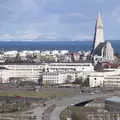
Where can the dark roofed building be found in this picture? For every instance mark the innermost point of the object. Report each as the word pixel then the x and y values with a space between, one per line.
pixel 98 50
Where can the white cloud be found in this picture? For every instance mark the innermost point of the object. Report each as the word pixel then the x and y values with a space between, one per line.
pixel 28 36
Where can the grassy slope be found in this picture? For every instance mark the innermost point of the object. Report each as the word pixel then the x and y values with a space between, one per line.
pixel 41 94
pixel 77 113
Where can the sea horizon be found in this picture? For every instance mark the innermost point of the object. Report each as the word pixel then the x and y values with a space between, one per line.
pixel 73 46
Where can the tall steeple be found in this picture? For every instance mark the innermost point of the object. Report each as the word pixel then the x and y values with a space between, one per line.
pixel 99 32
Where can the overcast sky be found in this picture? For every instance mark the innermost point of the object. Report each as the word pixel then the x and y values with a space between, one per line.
pixel 57 19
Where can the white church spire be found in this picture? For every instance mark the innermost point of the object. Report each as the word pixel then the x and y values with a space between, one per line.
pixel 99 32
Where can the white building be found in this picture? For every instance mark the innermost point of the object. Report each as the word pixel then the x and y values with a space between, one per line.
pixel 99 32
pixel 112 81
pixel 58 77
pixel 108 52
pixel 96 80
pixel 107 79
pixel 63 52
pixel 10 54
pixel 45 52
pixel 85 67
pixel 55 52
pixel 23 72
pixel 53 78
pixel 58 71
pixel 101 51
pixel 76 56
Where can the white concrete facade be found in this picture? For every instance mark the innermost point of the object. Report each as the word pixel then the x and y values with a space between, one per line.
pixel 69 67
pixel 24 72
pixel 107 79
pixel 108 52
pixel 32 72
pixel 95 81
pixel 112 81
pixel 58 77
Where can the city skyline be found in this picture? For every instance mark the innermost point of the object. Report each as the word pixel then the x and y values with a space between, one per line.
pixel 57 20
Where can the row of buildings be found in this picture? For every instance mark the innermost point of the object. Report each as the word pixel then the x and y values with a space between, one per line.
pixel 66 67
pixel 60 73
pixel 51 73
pixel 42 56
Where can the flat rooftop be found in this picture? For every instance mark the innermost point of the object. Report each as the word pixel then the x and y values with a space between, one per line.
pixel 113 99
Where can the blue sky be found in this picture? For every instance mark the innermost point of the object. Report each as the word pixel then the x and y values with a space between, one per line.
pixel 57 19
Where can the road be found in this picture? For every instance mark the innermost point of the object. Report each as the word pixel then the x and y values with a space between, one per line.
pixel 62 104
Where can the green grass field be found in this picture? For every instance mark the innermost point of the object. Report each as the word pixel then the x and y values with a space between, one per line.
pixel 42 94
pixel 77 113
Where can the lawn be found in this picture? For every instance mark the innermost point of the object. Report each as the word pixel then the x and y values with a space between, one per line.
pixel 42 94
pixel 77 113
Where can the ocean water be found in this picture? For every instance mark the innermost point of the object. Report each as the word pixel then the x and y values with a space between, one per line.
pixel 66 45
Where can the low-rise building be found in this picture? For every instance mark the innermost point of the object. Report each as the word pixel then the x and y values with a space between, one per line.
pixel 63 52
pixel 112 81
pixel 53 78
pixel 58 77
pixel 85 67
pixel 10 54
pixel 53 73
pixel 96 80
pixel 107 79
pixel 20 72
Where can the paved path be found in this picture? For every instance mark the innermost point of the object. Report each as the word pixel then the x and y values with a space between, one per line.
pixel 43 112
pixel 62 104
